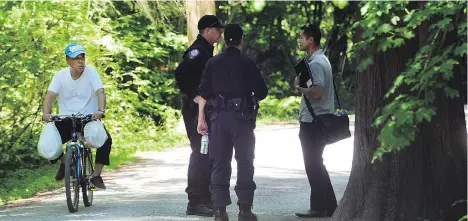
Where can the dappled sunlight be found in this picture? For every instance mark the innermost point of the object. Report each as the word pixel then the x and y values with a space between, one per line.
pixel 283 148
pixel 154 187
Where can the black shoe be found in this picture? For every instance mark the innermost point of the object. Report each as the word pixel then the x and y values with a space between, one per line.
pixel 312 213
pixel 98 183
pixel 247 216
pixel 61 172
pixel 330 212
pixel 221 214
pixel 209 205
pixel 199 209
pixel 245 213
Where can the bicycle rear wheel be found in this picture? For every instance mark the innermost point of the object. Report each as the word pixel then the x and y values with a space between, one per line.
pixel 72 186
pixel 88 170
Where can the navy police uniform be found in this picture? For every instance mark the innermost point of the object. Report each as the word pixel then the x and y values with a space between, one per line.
pixel 188 75
pixel 233 84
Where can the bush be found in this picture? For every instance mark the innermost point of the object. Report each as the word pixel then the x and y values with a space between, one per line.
pixel 128 54
pixel 274 109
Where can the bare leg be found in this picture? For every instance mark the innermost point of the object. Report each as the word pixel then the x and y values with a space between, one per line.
pixel 62 159
pixel 98 169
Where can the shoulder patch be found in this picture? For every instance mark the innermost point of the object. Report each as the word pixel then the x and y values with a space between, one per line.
pixel 193 54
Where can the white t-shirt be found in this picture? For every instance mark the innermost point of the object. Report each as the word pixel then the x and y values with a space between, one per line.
pixel 76 96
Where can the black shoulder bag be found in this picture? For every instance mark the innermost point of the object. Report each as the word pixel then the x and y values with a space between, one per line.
pixel 334 127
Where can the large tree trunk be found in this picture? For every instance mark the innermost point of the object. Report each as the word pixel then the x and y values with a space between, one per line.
pixel 424 179
pixel 195 9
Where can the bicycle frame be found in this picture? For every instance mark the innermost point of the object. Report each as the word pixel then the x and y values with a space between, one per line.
pixel 75 143
pixel 78 157
pixel 79 147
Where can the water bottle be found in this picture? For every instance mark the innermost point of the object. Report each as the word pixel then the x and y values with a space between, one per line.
pixel 340 112
pixel 204 144
pixel 343 112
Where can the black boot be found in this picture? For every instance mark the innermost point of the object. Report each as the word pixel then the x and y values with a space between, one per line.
pixel 199 209
pixel 221 214
pixel 245 213
pixel 209 204
pixel 312 213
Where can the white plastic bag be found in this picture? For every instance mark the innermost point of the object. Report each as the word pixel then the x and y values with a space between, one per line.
pixel 95 134
pixel 50 142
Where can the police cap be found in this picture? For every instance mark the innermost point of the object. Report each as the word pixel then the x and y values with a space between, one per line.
pixel 209 21
pixel 233 32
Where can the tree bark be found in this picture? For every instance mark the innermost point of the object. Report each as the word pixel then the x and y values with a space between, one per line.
pixel 423 180
pixel 195 9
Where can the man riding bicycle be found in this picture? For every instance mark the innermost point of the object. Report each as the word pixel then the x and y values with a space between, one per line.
pixel 80 91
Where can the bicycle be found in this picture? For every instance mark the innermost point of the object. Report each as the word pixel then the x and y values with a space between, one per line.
pixel 79 167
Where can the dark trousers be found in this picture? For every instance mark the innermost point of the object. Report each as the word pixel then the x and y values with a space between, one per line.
pixel 199 170
pixel 228 130
pixel 65 129
pixel 322 196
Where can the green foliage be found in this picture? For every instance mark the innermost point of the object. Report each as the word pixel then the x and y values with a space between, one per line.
pixel 32 50
pixel 135 46
pixel 429 71
pixel 285 109
pixel 132 48
pixel 277 84
pixel 271 35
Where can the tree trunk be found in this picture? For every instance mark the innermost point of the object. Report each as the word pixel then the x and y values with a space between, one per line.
pixel 423 180
pixel 195 9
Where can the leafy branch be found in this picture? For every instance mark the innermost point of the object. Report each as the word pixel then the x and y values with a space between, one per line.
pixel 430 70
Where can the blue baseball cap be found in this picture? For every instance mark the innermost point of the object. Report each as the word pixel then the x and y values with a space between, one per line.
pixel 74 49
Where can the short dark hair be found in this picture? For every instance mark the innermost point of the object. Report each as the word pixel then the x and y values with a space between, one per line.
pixel 312 30
pixel 234 43
pixel 233 34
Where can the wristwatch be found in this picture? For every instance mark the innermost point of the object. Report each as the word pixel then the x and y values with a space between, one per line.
pixel 103 111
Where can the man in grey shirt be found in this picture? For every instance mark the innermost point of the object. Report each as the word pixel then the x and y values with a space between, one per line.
pixel 321 96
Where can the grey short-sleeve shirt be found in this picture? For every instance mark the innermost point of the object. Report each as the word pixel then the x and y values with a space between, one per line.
pixel 322 76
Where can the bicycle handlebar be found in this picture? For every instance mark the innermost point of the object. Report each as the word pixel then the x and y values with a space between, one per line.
pixel 81 117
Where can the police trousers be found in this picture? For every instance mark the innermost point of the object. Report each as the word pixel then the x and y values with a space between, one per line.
pixel 199 170
pixel 322 196
pixel 229 130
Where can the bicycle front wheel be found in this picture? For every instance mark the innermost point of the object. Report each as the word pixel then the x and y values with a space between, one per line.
pixel 88 171
pixel 72 186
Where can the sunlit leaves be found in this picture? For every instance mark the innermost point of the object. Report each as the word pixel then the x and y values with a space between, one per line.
pixel 395 20
pixel 258 5
pixel 365 63
pixel 461 50
pixel 127 50
pixel 385 27
pixel 340 3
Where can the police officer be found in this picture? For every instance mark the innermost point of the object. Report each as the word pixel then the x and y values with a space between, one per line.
pixel 233 83
pixel 188 75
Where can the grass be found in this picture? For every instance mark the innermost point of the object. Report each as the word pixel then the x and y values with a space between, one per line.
pixel 25 183
pixel 265 121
